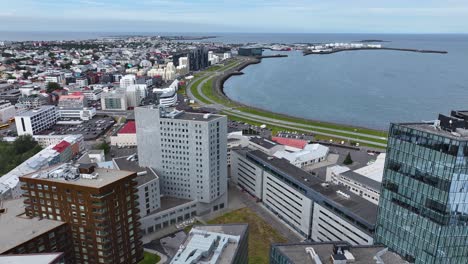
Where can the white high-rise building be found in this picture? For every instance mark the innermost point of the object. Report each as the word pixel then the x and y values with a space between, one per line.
pixel 183 61
pixel 136 93
pixel 127 80
pixel 188 151
pixel 34 121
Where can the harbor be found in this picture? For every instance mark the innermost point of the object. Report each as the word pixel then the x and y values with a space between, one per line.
pixel 331 48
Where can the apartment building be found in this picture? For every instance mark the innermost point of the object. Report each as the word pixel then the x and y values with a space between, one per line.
pixel 23 234
pixel 99 205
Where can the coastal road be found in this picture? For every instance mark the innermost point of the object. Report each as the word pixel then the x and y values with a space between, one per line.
pixel 275 122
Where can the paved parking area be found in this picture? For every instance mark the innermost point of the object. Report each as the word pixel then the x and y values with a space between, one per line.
pixel 90 130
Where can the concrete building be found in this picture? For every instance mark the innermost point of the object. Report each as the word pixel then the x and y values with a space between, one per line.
pixel 312 153
pixel 72 101
pixel 7 111
pixel 423 208
pixel 338 252
pixel 216 244
pixel 264 145
pixel 51 140
pixel 23 234
pixel 188 152
pixel 34 121
pixel 126 136
pixel 365 182
pixel 135 94
pixel 148 184
pixel 114 100
pixel 168 96
pixel 81 82
pixel 235 140
pixel 32 101
pixel 37 258
pixel 157 212
pixel 127 80
pixel 51 155
pixel 55 78
pixel 98 204
pixel 75 106
pixel 313 208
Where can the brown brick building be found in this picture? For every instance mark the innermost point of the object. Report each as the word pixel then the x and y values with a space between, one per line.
pixel 21 234
pixel 99 205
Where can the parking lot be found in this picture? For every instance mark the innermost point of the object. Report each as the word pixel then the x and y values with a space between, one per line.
pixel 248 129
pixel 90 130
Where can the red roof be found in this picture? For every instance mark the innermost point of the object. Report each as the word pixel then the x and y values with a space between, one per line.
pixel 60 147
pixel 129 128
pixel 296 143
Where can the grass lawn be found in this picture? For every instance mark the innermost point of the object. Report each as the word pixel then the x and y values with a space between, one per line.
pixel 344 128
pixel 195 91
pixel 150 258
pixel 275 129
pixel 261 235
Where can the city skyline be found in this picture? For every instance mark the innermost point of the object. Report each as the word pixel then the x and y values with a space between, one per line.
pixel 298 16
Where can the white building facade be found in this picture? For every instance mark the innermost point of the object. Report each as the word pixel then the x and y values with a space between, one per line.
pixel 7 111
pixel 188 151
pixel 34 121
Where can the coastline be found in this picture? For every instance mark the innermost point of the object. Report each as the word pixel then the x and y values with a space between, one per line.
pixel 218 88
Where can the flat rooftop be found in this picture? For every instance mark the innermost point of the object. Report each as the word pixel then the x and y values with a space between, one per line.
pixel 353 203
pixel 375 185
pixel 196 116
pixel 36 111
pixel 36 258
pixel 16 228
pixel 263 142
pixel 431 129
pixel 104 176
pixel 362 254
pixel 124 163
pixel 170 202
pixel 205 243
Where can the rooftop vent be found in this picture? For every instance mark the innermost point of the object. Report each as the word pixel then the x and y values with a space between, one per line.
pixel 313 255
pixel 345 195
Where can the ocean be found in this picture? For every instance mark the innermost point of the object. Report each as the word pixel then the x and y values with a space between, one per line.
pixel 361 88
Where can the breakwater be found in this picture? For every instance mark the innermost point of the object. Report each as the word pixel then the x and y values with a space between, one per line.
pixel 308 52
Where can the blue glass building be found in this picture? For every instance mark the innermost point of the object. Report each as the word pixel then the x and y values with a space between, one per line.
pixel 423 209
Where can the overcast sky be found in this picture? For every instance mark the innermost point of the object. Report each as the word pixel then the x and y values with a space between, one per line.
pixel 325 16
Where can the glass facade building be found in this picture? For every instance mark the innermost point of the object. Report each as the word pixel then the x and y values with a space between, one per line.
pixel 423 209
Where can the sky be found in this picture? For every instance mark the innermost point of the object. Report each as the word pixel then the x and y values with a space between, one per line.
pixel 298 16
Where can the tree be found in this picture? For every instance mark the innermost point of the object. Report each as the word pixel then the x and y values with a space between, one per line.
pixel 104 146
pixel 26 75
pixel 23 144
pixel 348 160
pixel 52 86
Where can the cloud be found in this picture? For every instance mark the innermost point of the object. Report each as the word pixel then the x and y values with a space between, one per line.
pixel 241 15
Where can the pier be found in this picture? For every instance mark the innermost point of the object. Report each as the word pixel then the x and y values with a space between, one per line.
pixel 308 52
